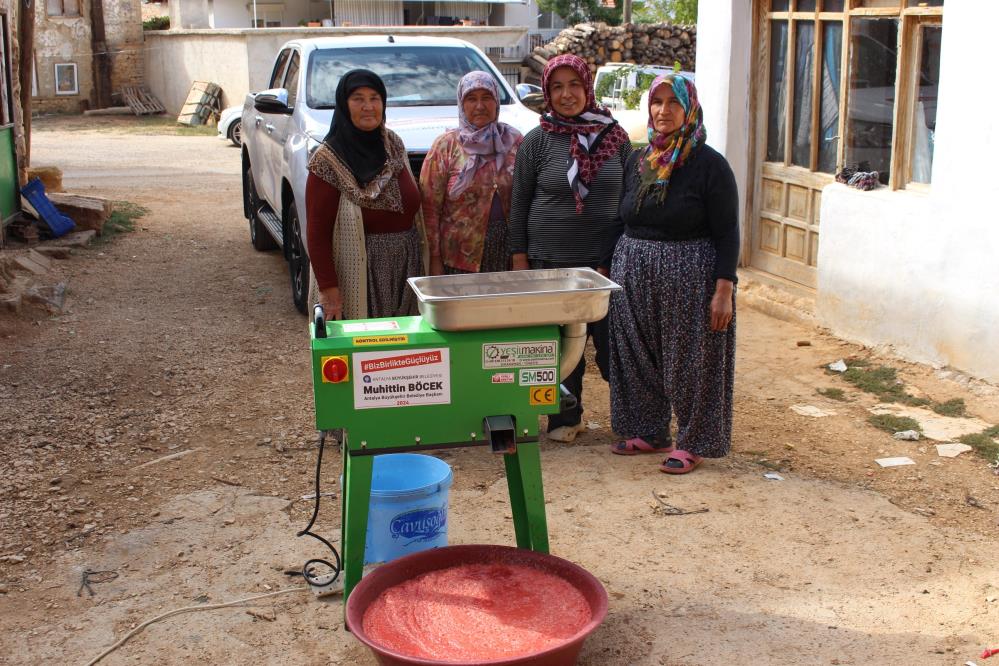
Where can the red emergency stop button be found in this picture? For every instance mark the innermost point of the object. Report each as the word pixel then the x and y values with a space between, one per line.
pixel 335 369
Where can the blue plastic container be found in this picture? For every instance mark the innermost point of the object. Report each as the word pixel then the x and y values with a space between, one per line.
pixel 55 222
pixel 408 510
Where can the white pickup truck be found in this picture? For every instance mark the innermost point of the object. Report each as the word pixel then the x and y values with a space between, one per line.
pixel 283 125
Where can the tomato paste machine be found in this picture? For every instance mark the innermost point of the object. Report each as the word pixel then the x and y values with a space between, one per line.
pixel 479 366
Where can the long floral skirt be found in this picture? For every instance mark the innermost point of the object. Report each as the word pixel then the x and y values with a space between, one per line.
pixel 663 353
pixel 392 258
pixel 495 254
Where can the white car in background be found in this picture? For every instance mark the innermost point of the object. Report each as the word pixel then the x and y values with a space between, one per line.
pixel 283 125
pixel 230 125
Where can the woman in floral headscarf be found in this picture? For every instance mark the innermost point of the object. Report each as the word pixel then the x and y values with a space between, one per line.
pixel 567 186
pixel 466 182
pixel 673 325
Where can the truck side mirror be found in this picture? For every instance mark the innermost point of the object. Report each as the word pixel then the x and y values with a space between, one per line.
pixel 272 101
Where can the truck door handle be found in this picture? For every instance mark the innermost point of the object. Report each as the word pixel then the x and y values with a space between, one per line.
pixel 269 127
pixel 258 120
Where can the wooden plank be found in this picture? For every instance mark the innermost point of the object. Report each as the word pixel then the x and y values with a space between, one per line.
pixel 202 101
pixel 141 101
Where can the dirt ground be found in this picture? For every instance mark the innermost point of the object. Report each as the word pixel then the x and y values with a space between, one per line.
pixel 180 339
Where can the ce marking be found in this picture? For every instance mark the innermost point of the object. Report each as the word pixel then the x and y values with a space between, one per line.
pixel 543 395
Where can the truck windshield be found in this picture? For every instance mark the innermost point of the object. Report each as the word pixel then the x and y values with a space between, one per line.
pixel 413 75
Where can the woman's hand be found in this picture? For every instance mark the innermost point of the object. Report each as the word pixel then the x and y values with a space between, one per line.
pixel 332 302
pixel 519 261
pixel 721 305
pixel 436 266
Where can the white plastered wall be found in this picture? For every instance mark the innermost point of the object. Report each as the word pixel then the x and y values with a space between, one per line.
pixel 724 54
pixel 917 272
pixel 920 272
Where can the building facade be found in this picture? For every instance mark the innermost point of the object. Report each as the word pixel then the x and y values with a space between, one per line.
pixel 235 14
pixel 84 52
pixel 796 90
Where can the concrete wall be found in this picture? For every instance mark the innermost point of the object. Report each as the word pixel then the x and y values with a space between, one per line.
pixel 173 64
pixel 230 15
pixel 240 61
pixel 917 271
pixel 189 14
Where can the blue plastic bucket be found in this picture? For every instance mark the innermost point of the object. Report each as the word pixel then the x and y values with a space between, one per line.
pixel 408 510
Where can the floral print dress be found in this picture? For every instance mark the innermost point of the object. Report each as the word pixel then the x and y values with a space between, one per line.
pixel 457 227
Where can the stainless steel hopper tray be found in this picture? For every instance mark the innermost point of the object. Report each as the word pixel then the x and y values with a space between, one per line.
pixel 479 301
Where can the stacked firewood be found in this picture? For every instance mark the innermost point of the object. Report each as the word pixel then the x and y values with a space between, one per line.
pixel 599 43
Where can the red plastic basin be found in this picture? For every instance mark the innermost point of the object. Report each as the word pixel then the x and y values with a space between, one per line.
pixel 410 566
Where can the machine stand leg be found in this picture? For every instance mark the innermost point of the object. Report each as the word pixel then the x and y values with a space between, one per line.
pixel 356 499
pixel 527 499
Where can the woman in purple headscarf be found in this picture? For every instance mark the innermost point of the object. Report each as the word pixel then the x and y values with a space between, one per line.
pixel 466 182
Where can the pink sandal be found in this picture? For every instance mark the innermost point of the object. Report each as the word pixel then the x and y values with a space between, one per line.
pixel 636 445
pixel 689 460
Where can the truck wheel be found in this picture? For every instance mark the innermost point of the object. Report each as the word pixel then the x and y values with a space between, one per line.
pixel 259 236
pixel 298 261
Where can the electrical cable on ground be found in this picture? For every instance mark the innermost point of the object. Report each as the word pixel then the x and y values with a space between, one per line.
pixel 187 609
pixel 309 577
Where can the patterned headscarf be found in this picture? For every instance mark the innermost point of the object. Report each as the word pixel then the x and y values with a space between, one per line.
pixel 596 136
pixel 666 152
pixel 480 143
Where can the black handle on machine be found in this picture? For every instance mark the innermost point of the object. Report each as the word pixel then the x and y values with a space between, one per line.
pixel 320 320
pixel 567 400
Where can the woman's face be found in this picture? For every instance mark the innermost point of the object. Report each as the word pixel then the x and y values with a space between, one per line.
pixel 567 92
pixel 666 111
pixel 480 107
pixel 366 108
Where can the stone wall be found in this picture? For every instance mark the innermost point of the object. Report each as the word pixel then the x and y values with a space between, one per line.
pixel 123 30
pixel 599 44
pixel 62 40
pixel 68 39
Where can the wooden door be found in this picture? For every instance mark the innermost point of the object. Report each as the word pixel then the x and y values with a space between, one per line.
pixel 797 113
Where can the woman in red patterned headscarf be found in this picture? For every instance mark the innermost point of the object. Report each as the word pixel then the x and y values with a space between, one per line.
pixel 567 186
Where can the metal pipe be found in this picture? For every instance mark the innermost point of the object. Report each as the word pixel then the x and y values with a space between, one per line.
pixel 573 343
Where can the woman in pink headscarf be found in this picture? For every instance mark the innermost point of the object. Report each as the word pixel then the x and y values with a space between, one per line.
pixel 567 185
pixel 466 182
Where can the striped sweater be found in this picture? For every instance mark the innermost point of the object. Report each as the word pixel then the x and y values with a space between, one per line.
pixel 543 218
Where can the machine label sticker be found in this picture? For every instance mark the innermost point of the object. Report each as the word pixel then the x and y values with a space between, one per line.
pixel 544 395
pixel 419 524
pixel 503 378
pixel 402 378
pixel 536 376
pixel 381 340
pixel 519 354
pixel 369 326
